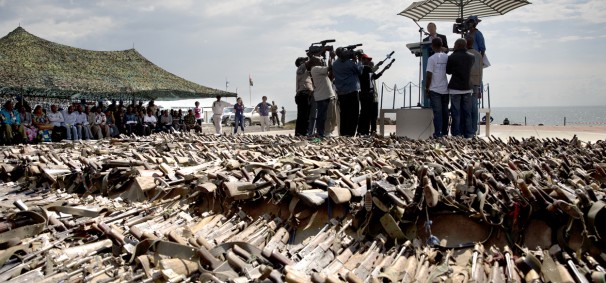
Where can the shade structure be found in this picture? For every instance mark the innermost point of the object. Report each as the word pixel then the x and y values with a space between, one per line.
pixel 450 10
pixel 34 66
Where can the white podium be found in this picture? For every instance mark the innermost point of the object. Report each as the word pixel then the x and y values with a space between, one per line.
pixel 414 123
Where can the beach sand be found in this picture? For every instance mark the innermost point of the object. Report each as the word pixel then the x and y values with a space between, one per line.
pixel 584 133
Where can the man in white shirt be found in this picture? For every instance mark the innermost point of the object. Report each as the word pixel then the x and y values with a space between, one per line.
pixel 71 119
pixel 100 127
pixel 218 114
pixel 323 90
pixel 436 87
pixel 56 119
pixel 82 124
pixel 149 122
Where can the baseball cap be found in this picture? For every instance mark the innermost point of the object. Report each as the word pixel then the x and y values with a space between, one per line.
pixel 474 19
pixel 365 56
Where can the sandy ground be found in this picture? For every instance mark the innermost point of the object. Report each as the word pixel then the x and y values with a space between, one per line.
pixel 584 133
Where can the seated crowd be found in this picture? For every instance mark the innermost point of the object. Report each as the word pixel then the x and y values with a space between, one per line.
pixel 19 124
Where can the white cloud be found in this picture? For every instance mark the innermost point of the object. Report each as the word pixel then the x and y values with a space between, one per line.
pixel 578 38
pixel 533 49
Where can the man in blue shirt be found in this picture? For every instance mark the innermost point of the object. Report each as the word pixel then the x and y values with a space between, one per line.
pixel 478 37
pixel 11 122
pixel 263 109
pixel 346 71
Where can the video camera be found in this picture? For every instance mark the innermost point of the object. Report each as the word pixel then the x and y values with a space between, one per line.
pixel 462 26
pixel 320 48
pixel 349 51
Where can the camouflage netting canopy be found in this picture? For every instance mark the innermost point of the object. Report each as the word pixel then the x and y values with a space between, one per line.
pixel 37 67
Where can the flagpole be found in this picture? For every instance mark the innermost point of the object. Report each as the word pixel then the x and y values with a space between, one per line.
pixel 250 84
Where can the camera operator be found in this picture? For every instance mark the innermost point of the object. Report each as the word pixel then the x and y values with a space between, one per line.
pixel 303 95
pixel 478 37
pixel 367 94
pixel 346 71
pixel 433 34
pixel 323 91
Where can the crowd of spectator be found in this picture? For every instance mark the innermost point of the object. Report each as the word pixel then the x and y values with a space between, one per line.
pixel 80 121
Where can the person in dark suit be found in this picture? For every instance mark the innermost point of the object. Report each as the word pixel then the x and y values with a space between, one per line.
pixel 432 29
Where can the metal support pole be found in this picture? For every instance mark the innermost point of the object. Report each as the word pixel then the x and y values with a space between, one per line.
pixel 382 86
pixel 410 97
pixel 488 90
pixel 394 97
pixel 404 98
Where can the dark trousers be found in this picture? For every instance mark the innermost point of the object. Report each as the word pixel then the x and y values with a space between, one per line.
pixel 59 133
pixel 374 115
pixel 366 103
pixel 322 107
pixel 313 113
pixel 302 100
pixel 461 115
pixel 349 111
pixel 239 120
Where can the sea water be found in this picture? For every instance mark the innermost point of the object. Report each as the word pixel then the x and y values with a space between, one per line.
pixel 548 116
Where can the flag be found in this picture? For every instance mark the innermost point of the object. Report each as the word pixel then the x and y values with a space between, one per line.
pixel 226 84
pixel 250 80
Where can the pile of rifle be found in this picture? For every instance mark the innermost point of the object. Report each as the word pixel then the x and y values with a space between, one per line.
pixel 179 208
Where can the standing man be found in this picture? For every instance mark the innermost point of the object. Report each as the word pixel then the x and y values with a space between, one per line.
pixel 347 71
pixel 367 95
pixel 459 66
pixel 436 88
pixel 263 109
pixel 218 106
pixel 274 114
pixel 433 34
pixel 475 82
pixel 323 89
pixel 478 37
pixel 304 93
pixel 283 115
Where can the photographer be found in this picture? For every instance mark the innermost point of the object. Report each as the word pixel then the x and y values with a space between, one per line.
pixel 346 72
pixel 302 98
pixel 324 92
pixel 367 94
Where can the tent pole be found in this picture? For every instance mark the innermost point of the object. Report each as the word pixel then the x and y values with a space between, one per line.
pixel 461 9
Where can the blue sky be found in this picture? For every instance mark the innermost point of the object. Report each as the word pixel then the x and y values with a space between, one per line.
pixel 550 53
